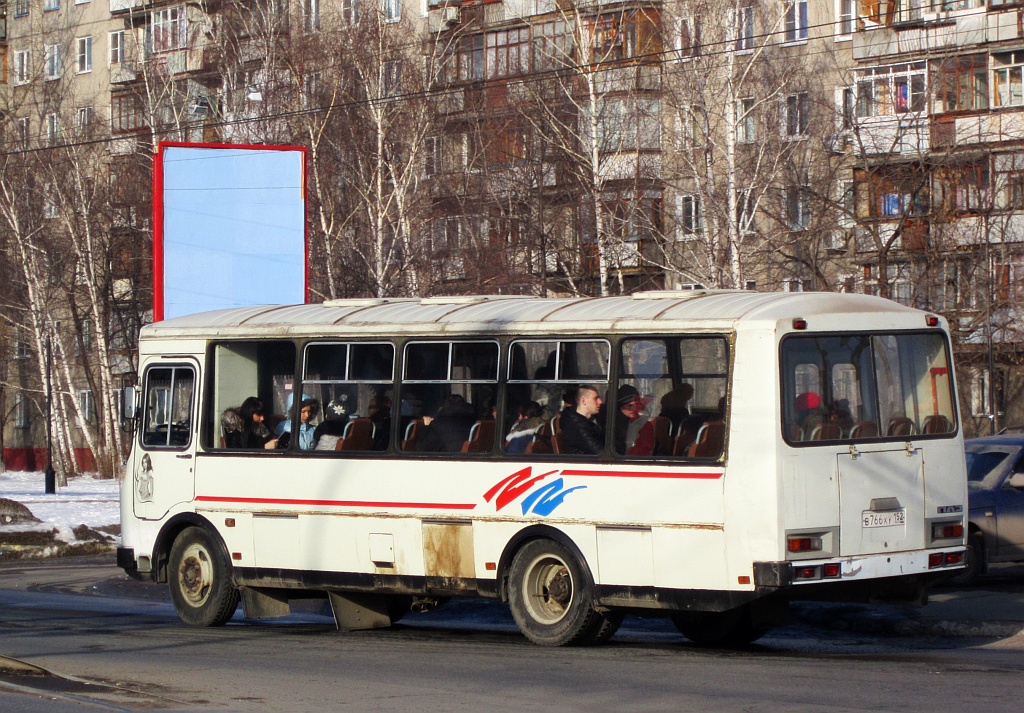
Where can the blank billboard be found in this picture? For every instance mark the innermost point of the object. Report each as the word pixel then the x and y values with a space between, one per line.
pixel 229 227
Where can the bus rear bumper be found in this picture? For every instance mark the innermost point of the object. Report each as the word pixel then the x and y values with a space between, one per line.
pixel 896 577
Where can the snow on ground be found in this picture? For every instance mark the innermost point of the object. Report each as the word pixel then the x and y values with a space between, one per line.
pixel 85 501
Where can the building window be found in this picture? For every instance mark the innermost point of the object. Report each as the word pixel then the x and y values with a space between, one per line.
pixel 962 84
pixel 51 202
pixel 434 156
pixel 52 129
pixel 1009 180
pixel 471 58
pixel 886 91
pixel 21 130
pixel 796 20
pixel 743 28
pixel 51 62
pixel 350 11
pixel 844 19
pixel 962 189
pixel 1006 78
pixel 846 108
pixel 614 38
pixel 83 120
pixel 125 113
pixel 21 8
pixel 20 410
pixel 689 215
pixel 84 54
pixel 745 129
pixel 311 15
pixel 167 29
pixel 798 209
pixel 392 71
pixel 116 47
pixel 687 37
pixel 797 114
pixel 51 5
pixel 508 52
pixel 22 67
pixel 392 10
pixel 86 407
pixel 553 45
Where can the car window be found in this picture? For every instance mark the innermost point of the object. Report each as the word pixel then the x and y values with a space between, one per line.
pixel 980 464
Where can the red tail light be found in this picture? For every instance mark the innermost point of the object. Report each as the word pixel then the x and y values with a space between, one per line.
pixel 803 544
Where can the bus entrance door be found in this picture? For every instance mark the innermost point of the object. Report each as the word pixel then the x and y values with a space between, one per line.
pixel 163 470
pixel 881 496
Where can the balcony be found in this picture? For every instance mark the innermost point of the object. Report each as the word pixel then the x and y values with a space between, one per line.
pixel 904 135
pixel 933 32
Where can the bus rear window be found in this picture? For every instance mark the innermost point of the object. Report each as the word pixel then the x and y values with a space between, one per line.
pixel 857 387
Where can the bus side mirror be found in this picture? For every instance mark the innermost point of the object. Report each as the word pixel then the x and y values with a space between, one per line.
pixel 129 405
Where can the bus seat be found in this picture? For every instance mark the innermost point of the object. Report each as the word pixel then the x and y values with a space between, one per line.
pixel 900 426
pixel 412 434
pixel 864 429
pixel 358 436
pixel 685 439
pixel 541 442
pixel 794 432
pixel 481 438
pixel 663 441
pixel 826 432
pixel 936 424
pixel 556 433
pixel 710 440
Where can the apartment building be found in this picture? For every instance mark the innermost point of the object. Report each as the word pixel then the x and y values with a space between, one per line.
pixel 529 146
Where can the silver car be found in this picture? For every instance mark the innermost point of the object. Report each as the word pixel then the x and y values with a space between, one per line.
pixel 995 479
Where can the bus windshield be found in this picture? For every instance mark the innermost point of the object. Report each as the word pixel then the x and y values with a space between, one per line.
pixel 862 386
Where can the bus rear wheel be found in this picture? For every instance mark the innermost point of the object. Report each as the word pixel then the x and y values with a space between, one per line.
pixel 728 629
pixel 199 575
pixel 552 599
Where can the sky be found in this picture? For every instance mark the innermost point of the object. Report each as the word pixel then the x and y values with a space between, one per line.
pixel 85 501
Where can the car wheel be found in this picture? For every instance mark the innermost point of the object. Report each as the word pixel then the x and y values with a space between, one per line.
pixel 977 562
pixel 199 576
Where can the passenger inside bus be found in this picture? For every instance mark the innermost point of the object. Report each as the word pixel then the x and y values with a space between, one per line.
pixel 449 430
pixel 379 411
pixel 634 432
pixel 807 410
pixel 581 434
pixel 329 431
pixel 675 404
pixel 309 409
pixel 529 419
pixel 252 431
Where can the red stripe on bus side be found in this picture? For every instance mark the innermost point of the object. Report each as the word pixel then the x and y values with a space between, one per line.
pixel 644 474
pixel 336 503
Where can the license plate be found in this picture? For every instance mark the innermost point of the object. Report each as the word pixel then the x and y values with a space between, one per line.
pixel 888 518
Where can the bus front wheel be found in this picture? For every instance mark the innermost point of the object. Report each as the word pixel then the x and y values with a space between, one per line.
pixel 552 599
pixel 199 576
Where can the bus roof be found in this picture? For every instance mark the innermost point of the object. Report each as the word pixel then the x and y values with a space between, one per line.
pixel 660 310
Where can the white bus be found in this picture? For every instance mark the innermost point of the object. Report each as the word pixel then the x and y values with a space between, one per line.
pixel 752 449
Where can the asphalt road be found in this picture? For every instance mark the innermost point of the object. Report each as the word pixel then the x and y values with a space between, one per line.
pixel 118 646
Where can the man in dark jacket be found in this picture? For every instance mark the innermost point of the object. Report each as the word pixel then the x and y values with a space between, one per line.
pixel 447 432
pixel 581 434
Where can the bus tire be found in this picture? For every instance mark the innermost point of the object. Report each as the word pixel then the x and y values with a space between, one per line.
pixel 728 629
pixel 551 597
pixel 199 577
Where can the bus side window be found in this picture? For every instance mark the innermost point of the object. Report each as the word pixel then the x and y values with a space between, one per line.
pixel 240 370
pixel 168 413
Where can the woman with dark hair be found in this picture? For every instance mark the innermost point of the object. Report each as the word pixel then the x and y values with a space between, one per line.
pixel 253 432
